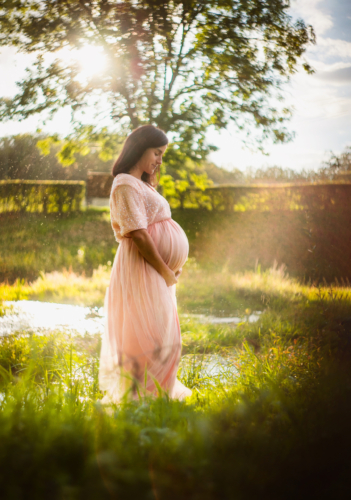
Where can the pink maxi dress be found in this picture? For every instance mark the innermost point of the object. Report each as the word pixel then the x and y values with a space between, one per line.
pixel 142 339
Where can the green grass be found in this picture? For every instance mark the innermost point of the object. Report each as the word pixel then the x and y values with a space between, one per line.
pixel 290 310
pixel 274 423
pixel 255 433
pixel 61 287
pixel 35 243
pixel 199 290
pixel 313 246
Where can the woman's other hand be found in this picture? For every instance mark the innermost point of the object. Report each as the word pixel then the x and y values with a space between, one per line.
pixel 179 272
pixel 170 277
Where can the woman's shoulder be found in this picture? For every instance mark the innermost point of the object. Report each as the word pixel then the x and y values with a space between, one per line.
pixel 126 180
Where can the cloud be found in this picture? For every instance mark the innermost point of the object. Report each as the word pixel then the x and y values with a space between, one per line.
pixel 333 47
pixel 321 66
pixel 12 69
pixel 342 75
pixel 320 98
pixel 312 13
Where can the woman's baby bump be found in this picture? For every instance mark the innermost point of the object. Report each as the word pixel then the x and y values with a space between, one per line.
pixel 171 242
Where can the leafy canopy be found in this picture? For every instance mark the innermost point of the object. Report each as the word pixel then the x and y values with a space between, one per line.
pixel 184 65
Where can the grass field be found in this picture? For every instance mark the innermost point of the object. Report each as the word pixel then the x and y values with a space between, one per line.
pixel 314 247
pixel 32 244
pixel 280 405
pixel 270 422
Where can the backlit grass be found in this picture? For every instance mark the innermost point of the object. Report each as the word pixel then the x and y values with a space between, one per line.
pixel 279 406
pixel 268 418
pixel 35 243
pixel 312 245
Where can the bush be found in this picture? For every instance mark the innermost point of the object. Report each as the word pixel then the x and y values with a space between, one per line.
pixel 270 197
pixel 41 196
pixel 321 195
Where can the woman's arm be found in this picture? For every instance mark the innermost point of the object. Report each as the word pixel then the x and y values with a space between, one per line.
pixel 148 250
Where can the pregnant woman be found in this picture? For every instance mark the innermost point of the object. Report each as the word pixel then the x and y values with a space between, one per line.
pixel 141 346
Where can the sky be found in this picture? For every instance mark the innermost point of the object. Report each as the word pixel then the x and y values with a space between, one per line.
pixel 321 102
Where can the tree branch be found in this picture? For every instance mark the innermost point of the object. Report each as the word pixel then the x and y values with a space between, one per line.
pixel 180 58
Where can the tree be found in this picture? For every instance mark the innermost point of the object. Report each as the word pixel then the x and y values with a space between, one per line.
pixel 184 65
pixel 20 158
pixel 339 164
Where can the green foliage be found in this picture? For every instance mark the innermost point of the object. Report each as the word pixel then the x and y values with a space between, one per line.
pixel 313 245
pixel 35 242
pixel 276 405
pixel 41 196
pixel 184 66
pixel 44 145
pixel 21 158
pixel 179 173
pixel 82 141
pixel 322 195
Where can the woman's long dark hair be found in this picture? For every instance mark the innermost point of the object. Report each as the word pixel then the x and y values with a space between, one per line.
pixel 142 138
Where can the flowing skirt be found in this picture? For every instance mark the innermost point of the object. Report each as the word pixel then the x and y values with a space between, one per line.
pixel 141 345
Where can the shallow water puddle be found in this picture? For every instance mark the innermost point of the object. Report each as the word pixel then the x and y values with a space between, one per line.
pixel 44 316
pixel 212 366
pixel 203 318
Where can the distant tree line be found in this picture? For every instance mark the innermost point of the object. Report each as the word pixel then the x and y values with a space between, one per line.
pixel 335 167
pixel 40 157
pixel 20 158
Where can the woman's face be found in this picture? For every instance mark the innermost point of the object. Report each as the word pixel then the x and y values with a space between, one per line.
pixel 151 159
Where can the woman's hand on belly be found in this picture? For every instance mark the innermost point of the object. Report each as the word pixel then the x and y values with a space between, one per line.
pixel 170 278
pixel 148 250
pixel 179 272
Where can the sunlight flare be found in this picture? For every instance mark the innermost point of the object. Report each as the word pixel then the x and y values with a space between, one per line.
pixel 90 58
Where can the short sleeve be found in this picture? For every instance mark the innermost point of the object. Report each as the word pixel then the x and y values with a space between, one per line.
pixel 129 209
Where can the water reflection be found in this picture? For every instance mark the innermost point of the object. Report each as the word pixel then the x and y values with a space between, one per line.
pixel 203 318
pixel 43 316
pixel 210 368
pixel 40 317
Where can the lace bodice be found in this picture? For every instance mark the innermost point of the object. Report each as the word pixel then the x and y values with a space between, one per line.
pixel 134 204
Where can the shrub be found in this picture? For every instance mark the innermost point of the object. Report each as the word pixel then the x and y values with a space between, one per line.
pixel 41 196
pixel 270 197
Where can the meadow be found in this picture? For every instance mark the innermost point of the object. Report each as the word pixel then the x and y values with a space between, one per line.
pixel 313 245
pixel 270 411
